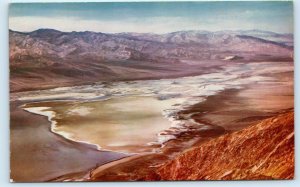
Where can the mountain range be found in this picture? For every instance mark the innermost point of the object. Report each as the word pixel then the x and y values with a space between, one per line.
pixel 53 58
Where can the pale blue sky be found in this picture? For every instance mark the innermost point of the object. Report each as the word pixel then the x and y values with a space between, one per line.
pixel 157 17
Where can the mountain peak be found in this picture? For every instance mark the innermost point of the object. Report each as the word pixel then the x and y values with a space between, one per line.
pixel 48 30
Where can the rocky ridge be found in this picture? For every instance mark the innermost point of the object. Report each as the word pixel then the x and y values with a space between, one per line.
pixel 262 151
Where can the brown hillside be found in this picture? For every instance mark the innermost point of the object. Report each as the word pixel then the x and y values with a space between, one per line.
pixel 262 151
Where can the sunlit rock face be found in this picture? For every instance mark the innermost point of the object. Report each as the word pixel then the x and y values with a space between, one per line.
pixel 262 151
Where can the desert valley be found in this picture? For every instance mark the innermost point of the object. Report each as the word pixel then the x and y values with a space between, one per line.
pixel 186 105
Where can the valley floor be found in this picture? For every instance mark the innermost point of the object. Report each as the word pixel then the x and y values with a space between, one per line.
pixel 236 121
pixel 250 137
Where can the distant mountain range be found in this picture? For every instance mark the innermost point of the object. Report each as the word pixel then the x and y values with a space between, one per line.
pixel 98 56
pixel 197 45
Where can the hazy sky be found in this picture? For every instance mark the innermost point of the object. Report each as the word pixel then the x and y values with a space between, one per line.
pixel 157 17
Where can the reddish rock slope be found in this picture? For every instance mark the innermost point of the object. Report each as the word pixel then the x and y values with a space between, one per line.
pixel 262 151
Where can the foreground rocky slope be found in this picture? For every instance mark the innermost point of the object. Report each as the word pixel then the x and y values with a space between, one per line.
pixel 262 151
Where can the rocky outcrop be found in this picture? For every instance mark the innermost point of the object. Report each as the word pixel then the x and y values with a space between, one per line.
pixel 262 151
